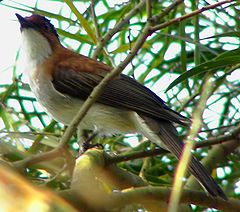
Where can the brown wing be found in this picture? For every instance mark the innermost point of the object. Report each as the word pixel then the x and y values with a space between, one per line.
pixel 122 92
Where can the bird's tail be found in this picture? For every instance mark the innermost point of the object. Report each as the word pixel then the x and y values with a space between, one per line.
pixel 170 139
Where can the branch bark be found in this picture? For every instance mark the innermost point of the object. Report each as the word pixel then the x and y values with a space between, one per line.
pixel 115 188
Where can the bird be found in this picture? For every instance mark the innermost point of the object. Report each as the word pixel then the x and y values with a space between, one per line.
pixel 62 80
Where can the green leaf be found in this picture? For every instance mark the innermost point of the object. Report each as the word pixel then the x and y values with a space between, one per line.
pixel 78 37
pixel 85 24
pixel 231 53
pixel 216 63
pixel 226 34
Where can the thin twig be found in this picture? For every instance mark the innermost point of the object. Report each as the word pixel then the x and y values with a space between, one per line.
pixel 136 155
pixel 158 151
pixel 179 19
pixel 157 18
pixel 220 139
pixel 223 127
pixel 94 17
pixel 34 159
pixel 99 36
pixel 186 154
pixel 188 101
pixel 30 133
pixel 149 8
pixel 118 27
pixel 216 155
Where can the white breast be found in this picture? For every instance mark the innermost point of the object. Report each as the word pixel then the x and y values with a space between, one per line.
pixel 35 47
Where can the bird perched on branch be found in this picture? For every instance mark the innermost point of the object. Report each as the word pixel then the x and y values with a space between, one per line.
pixel 62 79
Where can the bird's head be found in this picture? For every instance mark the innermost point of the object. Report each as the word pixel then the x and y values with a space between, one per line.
pixel 38 24
pixel 39 36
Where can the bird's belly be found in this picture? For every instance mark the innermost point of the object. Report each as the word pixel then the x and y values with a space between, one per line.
pixel 63 108
pixel 105 119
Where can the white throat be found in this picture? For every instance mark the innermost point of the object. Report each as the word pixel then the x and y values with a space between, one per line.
pixel 35 46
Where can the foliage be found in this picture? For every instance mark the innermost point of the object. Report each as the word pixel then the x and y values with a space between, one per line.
pixel 185 53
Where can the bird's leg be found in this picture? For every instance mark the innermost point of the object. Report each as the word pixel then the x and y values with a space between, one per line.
pixel 85 138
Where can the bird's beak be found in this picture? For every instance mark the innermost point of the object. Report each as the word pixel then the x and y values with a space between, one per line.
pixel 24 22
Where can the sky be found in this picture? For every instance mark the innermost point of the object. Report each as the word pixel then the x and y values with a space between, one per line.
pixel 9 42
pixel 10 37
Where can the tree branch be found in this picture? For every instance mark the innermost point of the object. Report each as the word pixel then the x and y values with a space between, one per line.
pixel 153 195
pixel 155 19
pixel 220 139
pixel 144 194
pixel 177 20
pixel 215 156
pixel 117 27
pixel 186 154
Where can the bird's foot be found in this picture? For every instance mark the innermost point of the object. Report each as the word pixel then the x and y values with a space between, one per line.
pixel 87 145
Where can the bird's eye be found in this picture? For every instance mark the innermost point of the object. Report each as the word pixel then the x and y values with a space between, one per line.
pixel 46 27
